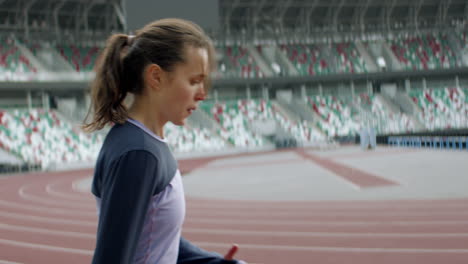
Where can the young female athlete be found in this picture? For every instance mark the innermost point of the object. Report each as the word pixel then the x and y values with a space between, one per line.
pixel 137 184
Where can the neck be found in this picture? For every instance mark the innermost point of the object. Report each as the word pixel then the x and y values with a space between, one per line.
pixel 141 112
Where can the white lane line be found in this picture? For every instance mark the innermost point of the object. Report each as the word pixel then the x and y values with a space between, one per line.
pixel 52 192
pixel 325 205
pixel 243 232
pixel 47 231
pixel 272 214
pixel 46 247
pixel 82 185
pixel 34 199
pixel 52 210
pixel 317 234
pixel 334 249
pixel 249 222
pixel 9 262
pixel 249 246
pixel 322 223
pixel 48 219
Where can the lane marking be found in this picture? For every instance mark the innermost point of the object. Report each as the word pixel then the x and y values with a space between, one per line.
pixel 249 222
pixel 9 262
pixel 242 232
pixel 356 176
pixel 43 209
pixel 318 234
pixel 46 247
pixel 324 223
pixel 324 205
pixel 34 199
pixel 82 185
pixel 48 219
pixel 216 213
pixel 52 192
pixel 335 249
pixel 46 231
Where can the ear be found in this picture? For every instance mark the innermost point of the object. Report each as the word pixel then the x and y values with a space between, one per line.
pixel 153 76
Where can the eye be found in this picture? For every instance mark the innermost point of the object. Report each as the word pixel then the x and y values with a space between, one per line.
pixel 195 81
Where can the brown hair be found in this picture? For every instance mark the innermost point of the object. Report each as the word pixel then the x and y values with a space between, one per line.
pixel 119 70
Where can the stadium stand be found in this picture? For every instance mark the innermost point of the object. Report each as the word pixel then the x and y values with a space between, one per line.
pixel 12 61
pixel 238 63
pixel 233 116
pixel 308 59
pixel 442 108
pixel 82 58
pixel 348 58
pixel 183 139
pixel 237 118
pixel 335 117
pixel 373 111
pixel 43 137
pixel 429 51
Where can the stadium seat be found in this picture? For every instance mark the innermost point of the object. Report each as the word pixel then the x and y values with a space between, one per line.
pixel 442 108
pixel 384 120
pixel 184 139
pixel 429 51
pixel 42 137
pixel 308 59
pixel 237 118
pixel 12 61
pixel 81 58
pixel 348 58
pixel 232 117
pixel 336 117
pixel 239 63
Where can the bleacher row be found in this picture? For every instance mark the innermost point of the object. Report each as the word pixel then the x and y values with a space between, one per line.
pixel 429 51
pixel 44 137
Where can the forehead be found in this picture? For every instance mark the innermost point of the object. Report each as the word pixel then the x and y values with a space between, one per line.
pixel 196 61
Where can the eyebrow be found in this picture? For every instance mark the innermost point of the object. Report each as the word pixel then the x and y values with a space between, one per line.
pixel 200 75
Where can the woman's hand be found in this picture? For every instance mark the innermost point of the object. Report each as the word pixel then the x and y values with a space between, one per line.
pixel 232 252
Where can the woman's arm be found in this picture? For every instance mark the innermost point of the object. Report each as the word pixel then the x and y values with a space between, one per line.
pixel 125 196
pixel 191 254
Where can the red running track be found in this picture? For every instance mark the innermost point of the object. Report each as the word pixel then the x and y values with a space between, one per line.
pixel 43 219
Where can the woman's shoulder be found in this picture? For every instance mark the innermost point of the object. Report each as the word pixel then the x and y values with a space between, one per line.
pixel 126 137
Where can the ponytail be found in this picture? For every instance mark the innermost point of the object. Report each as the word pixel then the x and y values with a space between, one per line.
pixel 108 90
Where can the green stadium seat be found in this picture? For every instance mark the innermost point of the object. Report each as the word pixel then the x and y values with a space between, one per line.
pixel 430 51
pixel 442 108
pixel 336 117
pixel 81 58
pixel 308 59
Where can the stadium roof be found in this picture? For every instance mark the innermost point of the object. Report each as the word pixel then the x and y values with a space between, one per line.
pixel 249 18
pixel 312 16
pixel 56 18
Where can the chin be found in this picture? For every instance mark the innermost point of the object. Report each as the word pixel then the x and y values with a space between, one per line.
pixel 179 122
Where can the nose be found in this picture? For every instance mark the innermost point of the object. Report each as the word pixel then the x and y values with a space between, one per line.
pixel 201 94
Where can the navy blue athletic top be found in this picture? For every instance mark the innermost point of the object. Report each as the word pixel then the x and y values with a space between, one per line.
pixel 140 201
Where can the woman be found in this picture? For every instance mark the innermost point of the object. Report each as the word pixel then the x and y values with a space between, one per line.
pixel 137 184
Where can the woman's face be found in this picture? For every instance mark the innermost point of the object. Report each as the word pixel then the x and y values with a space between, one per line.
pixel 185 86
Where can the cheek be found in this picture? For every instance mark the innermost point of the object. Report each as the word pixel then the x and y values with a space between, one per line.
pixel 185 93
pixel 181 97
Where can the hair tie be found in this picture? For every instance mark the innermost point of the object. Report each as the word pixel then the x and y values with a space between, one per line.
pixel 130 39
